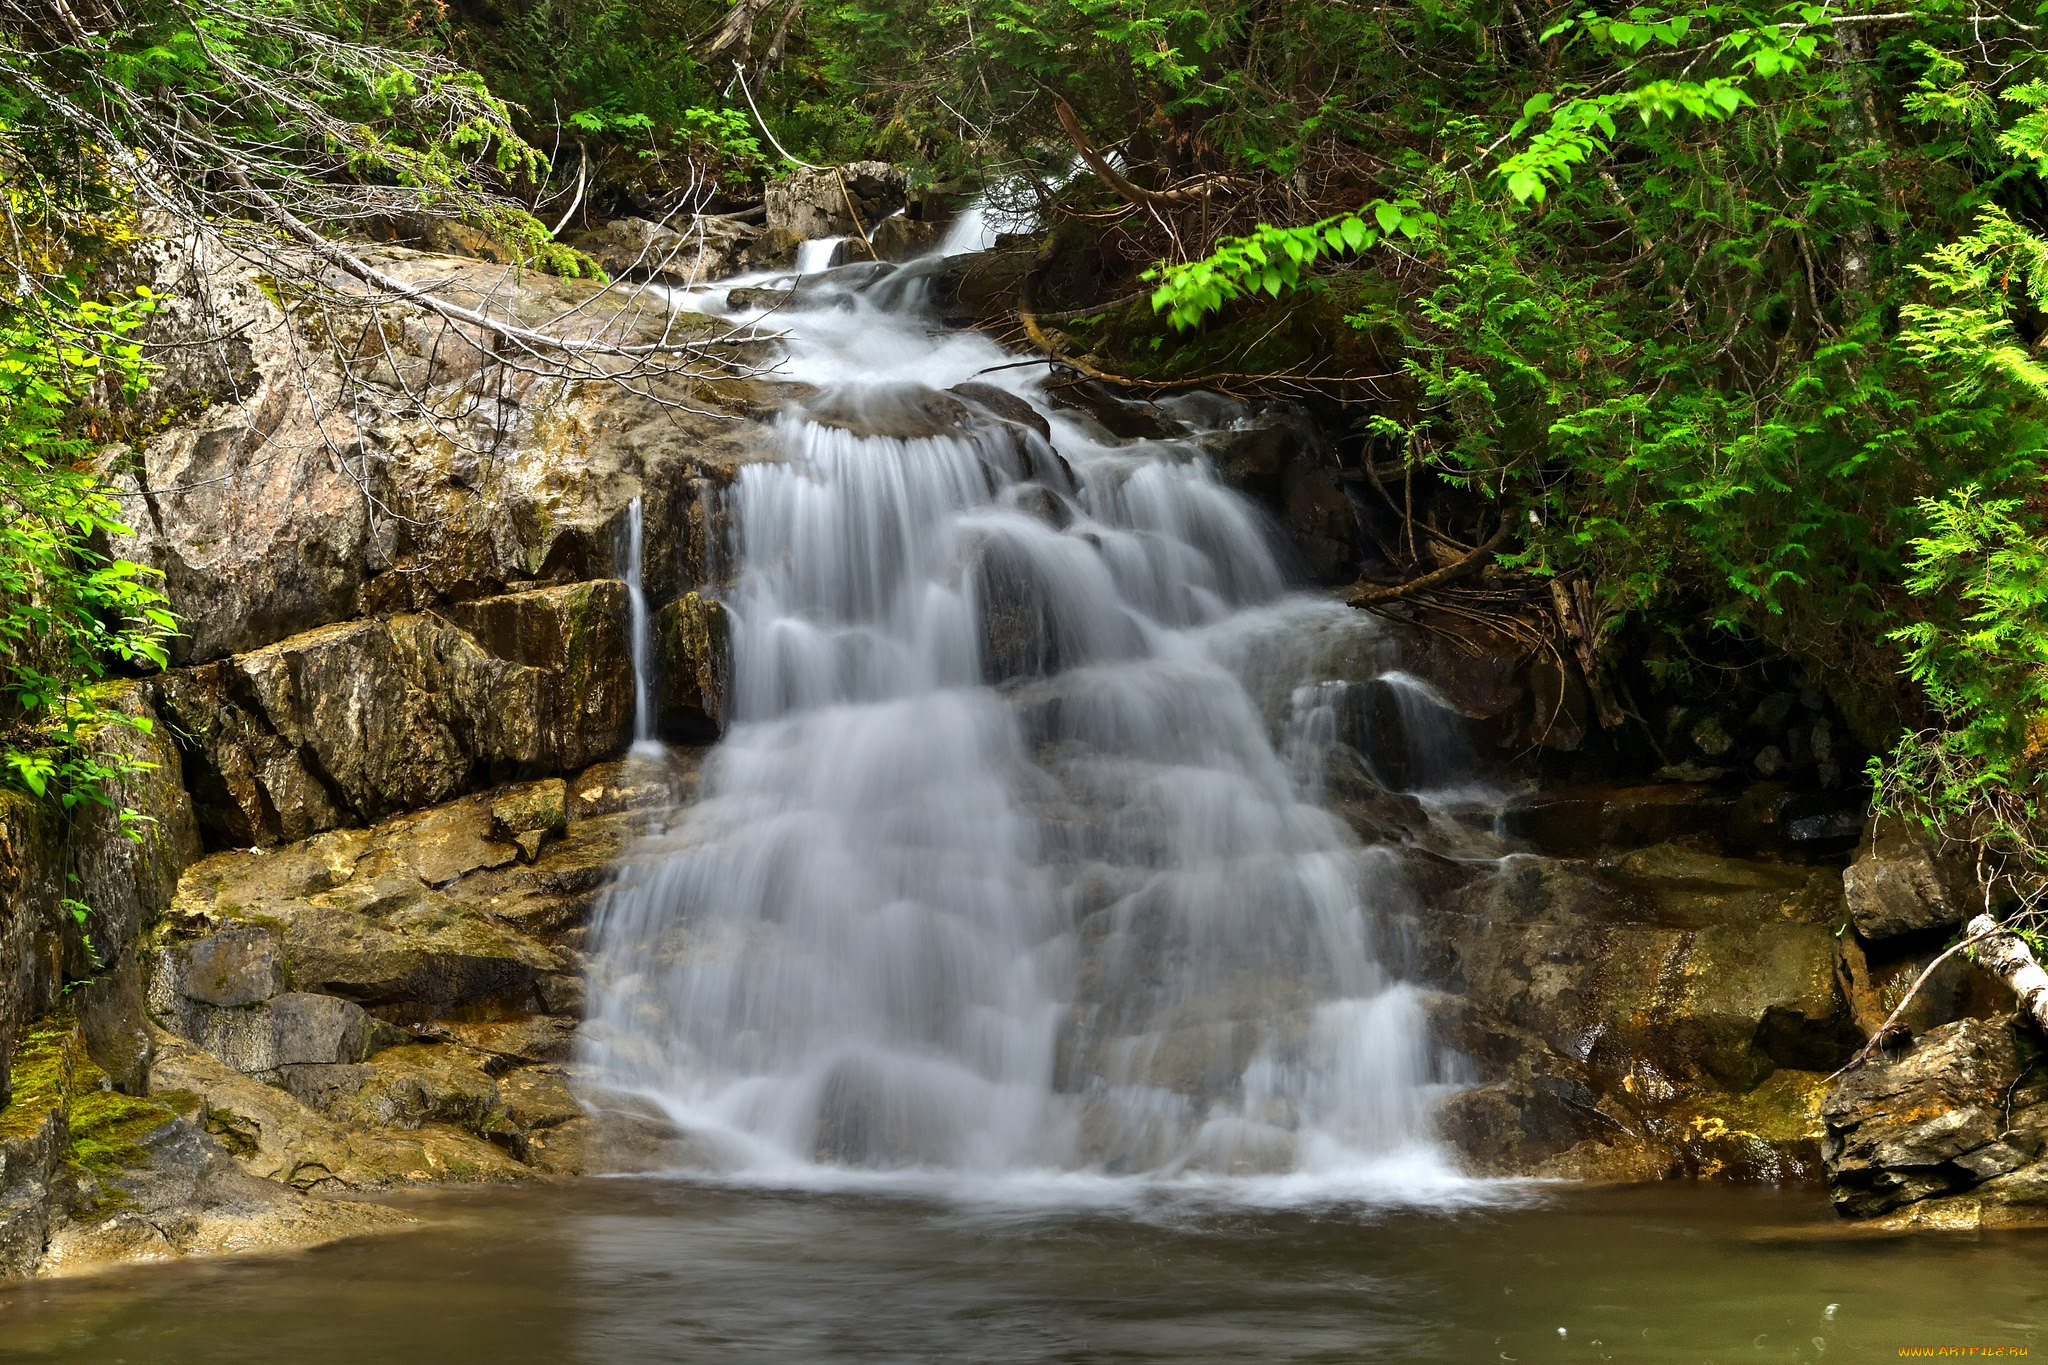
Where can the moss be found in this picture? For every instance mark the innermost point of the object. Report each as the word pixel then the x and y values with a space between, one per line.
pixel 109 1129
pixel 45 1060
pixel 106 1130
pixel 184 1103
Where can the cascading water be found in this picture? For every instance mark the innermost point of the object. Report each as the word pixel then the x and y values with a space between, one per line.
pixel 640 632
pixel 816 254
pixel 997 871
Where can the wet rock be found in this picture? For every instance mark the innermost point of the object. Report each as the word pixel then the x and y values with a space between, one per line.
pixel 899 237
pixel 693 251
pixel 639 782
pixel 1645 1005
pixel 694 654
pixel 358 721
pixel 901 412
pixel 836 202
pixel 1900 883
pixel 1963 1109
pixel 1282 459
pixel 750 297
pixel 1003 405
pixel 537 807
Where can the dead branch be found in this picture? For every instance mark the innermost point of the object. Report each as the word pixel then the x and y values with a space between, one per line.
pixel 1190 192
pixel 1456 569
pixel 1884 1030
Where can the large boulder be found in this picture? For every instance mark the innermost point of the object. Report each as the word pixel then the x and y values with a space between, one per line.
pixel 327 460
pixel 1900 883
pixel 836 202
pixel 1961 1110
pixel 354 722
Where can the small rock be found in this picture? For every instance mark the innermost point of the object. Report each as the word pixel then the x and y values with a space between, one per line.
pixel 1772 712
pixel 1711 734
pixel 536 808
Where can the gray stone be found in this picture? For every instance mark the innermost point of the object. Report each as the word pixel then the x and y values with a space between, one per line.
pixel 238 966
pixel 836 202
pixel 1899 883
pixel 291 1029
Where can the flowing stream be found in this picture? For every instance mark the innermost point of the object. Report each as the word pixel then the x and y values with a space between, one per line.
pixel 998 875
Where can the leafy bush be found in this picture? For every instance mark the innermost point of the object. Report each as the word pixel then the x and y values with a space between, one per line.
pixel 67 610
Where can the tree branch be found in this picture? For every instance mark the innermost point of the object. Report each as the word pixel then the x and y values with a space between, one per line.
pixel 1456 569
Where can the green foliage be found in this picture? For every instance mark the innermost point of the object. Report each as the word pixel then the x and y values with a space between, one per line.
pixel 1272 259
pixel 67 610
pixel 1985 667
pixel 1979 573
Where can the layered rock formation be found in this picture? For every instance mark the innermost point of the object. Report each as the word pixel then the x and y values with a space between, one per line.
pixel 395 556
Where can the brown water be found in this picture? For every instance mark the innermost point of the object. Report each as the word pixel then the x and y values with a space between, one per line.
pixel 631 1271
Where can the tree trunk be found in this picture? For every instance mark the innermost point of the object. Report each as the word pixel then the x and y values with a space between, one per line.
pixel 2008 958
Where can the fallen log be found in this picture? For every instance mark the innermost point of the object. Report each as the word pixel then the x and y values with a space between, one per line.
pixel 2006 956
pixel 1999 951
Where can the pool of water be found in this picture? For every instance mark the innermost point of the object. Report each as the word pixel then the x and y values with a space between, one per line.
pixel 629 1271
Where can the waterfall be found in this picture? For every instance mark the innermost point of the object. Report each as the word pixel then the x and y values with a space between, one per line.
pixel 642 635
pixel 997 871
pixel 817 254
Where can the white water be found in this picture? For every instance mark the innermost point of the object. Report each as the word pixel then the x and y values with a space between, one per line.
pixel 814 255
pixel 1081 931
pixel 640 632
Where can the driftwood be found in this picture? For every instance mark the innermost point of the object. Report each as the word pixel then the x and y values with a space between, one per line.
pixel 1456 569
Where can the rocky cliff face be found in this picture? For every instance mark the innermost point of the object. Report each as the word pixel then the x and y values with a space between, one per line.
pixel 343 954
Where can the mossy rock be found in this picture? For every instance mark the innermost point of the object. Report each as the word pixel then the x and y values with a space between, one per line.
pixel 105 1131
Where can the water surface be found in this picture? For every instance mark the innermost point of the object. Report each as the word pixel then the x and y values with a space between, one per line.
pixel 633 1271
